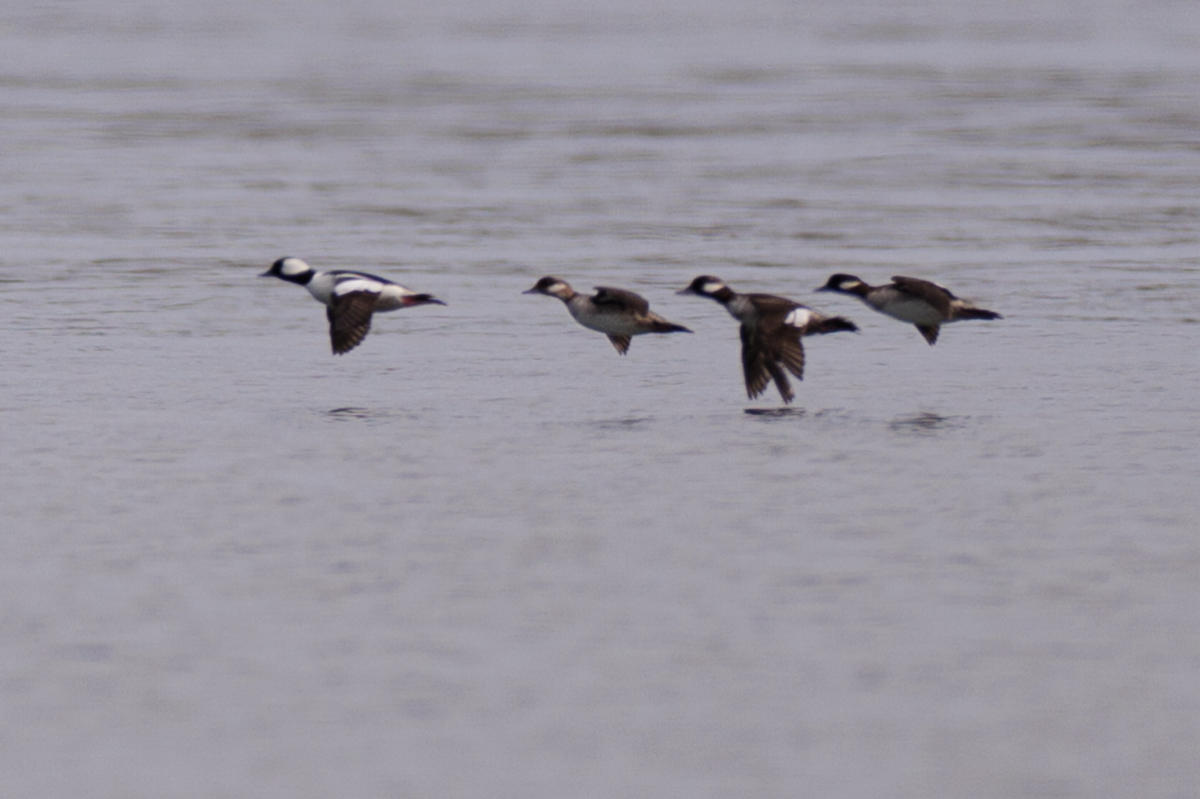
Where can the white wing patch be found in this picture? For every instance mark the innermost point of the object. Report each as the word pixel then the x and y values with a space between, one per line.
pixel 353 284
pixel 799 317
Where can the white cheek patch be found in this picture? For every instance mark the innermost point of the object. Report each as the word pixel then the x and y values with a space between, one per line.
pixel 356 284
pixel 799 317
pixel 712 288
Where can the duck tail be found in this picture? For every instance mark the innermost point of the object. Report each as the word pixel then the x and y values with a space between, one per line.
pixel 978 313
pixel 834 324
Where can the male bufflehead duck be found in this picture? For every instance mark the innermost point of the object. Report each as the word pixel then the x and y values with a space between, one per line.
pixel 909 299
pixel 619 314
pixel 771 331
pixel 350 298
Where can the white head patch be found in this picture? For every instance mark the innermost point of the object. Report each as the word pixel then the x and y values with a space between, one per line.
pixel 293 266
pixel 712 287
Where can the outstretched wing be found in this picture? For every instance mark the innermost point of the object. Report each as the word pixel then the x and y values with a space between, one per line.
pixel 754 363
pixel 350 319
pixel 796 323
pixel 621 343
pixel 791 355
pixel 930 332
pixel 780 324
pixel 781 381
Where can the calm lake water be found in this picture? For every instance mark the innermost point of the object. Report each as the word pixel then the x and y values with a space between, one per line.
pixel 484 556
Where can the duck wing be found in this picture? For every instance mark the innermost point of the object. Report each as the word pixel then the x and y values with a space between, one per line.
pixel 939 297
pixel 620 301
pixel 754 363
pixel 620 343
pixel 350 319
pixel 768 341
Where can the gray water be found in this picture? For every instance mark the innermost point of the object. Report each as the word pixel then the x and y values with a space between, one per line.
pixel 483 555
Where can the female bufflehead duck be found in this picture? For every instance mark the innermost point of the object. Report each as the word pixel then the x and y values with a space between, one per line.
pixel 619 314
pixel 350 298
pixel 920 302
pixel 771 331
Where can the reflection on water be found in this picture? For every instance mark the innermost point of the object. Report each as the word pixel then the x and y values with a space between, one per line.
pixel 360 414
pixel 776 413
pixel 622 424
pixel 926 423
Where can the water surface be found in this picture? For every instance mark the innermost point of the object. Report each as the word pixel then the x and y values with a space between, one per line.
pixel 483 555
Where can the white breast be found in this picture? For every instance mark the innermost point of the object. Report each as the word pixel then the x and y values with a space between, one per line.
pixel 322 286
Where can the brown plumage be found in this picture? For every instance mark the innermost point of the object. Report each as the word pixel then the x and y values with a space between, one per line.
pixel 921 303
pixel 771 329
pixel 617 313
